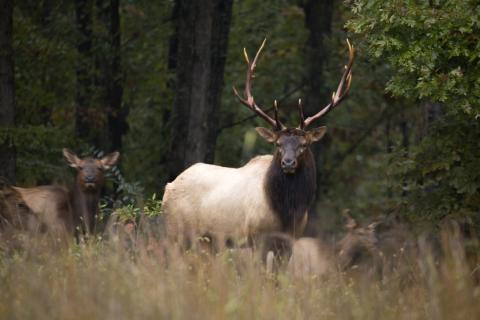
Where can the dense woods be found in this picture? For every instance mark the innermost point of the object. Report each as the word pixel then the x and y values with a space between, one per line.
pixel 153 80
pixel 7 90
pixel 371 212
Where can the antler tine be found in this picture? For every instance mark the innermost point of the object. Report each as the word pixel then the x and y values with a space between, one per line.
pixel 245 55
pixel 248 99
pixel 342 89
pixel 254 63
pixel 300 111
pixel 278 124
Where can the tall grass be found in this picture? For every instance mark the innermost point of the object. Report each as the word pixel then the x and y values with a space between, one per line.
pixel 146 279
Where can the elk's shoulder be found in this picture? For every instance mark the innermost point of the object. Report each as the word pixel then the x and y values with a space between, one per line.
pixel 42 191
pixel 262 161
pixel 39 198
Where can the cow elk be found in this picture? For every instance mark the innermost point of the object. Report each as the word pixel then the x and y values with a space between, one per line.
pixel 379 249
pixel 271 193
pixel 62 211
pixel 14 213
pixel 88 185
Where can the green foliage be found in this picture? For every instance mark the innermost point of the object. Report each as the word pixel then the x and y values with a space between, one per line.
pixel 441 176
pixel 146 30
pixel 45 44
pixel 127 213
pixel 39 152
pixel 432 49
pixel 152 208
pixel 126 192
pixel 44 85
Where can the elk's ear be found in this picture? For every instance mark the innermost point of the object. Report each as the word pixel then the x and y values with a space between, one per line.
pixel 110 160
pixel 316 134
pixel 372 227
pixel 350 223
pixel 71 158
pixel 267 134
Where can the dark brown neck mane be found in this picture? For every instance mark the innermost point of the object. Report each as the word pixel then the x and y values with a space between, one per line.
pixel 290 195
pixel 85 208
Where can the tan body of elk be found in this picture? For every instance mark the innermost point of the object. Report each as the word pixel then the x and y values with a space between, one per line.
pixel 196 202
pixel 363 250
pixel 14 213
pixel 50 207
pixel 310 257
pixel 61 210
pixel 268 194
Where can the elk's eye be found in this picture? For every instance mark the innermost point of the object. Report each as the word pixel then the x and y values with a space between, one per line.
pixel 21 205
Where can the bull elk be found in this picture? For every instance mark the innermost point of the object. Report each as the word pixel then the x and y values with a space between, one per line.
pixel 61 210
pixel 271 193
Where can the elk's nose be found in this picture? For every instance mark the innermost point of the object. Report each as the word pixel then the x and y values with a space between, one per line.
pixel 89 178
pixel 289 163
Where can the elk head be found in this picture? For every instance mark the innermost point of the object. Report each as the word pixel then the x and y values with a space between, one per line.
pixel 90 175
pixel 359 246
pixel 293 143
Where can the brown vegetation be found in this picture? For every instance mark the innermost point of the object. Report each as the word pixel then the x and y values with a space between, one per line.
pixel 103 280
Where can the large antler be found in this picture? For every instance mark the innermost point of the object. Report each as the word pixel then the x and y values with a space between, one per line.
pixel 337 96
pixel 248 99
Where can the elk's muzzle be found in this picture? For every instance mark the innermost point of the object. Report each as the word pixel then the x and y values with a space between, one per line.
pixel 289 165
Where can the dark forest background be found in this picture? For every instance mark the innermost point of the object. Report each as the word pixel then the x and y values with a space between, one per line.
pixel 153 80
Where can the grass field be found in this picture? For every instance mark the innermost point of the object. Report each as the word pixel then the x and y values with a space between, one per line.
pixel 146 280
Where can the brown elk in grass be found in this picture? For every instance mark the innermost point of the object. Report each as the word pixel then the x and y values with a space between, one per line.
pixel 85 194
pixel 61 210
pixel 377 249
pixel 271 193
pixel 14 213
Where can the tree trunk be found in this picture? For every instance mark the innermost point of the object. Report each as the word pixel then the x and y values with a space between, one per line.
pixel 84 127
pixel 318 20
pixel 7 89
pixel 201 39
pixel 432 112
pixel 46 7
pixel 117 123
pixel 108 75
pixel 404 129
